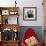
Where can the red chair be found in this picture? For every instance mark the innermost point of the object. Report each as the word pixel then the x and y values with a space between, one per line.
pixel 29 33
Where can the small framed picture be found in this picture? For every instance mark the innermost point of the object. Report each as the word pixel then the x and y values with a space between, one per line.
pixel 13 12
pixel 30 13
pixel 5 12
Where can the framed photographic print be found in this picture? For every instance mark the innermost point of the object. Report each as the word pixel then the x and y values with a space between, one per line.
pixel 5 12
pixel 13 12
pixel 7 34
pixel 30 13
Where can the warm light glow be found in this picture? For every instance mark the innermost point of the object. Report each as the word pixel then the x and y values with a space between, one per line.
pixel 15 30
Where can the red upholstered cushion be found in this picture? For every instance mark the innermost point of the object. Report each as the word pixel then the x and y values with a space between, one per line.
pixel 29 33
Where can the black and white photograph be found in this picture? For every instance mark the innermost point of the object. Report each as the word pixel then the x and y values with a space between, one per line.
pixel 29 13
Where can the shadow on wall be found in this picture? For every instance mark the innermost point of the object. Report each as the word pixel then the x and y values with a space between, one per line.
pixel 37 29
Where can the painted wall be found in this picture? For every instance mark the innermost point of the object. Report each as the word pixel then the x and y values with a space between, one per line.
pixel 34 3
pixel 26 3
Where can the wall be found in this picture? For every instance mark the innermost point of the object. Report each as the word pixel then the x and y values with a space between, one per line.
pixel 27 3
pixel 34 3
